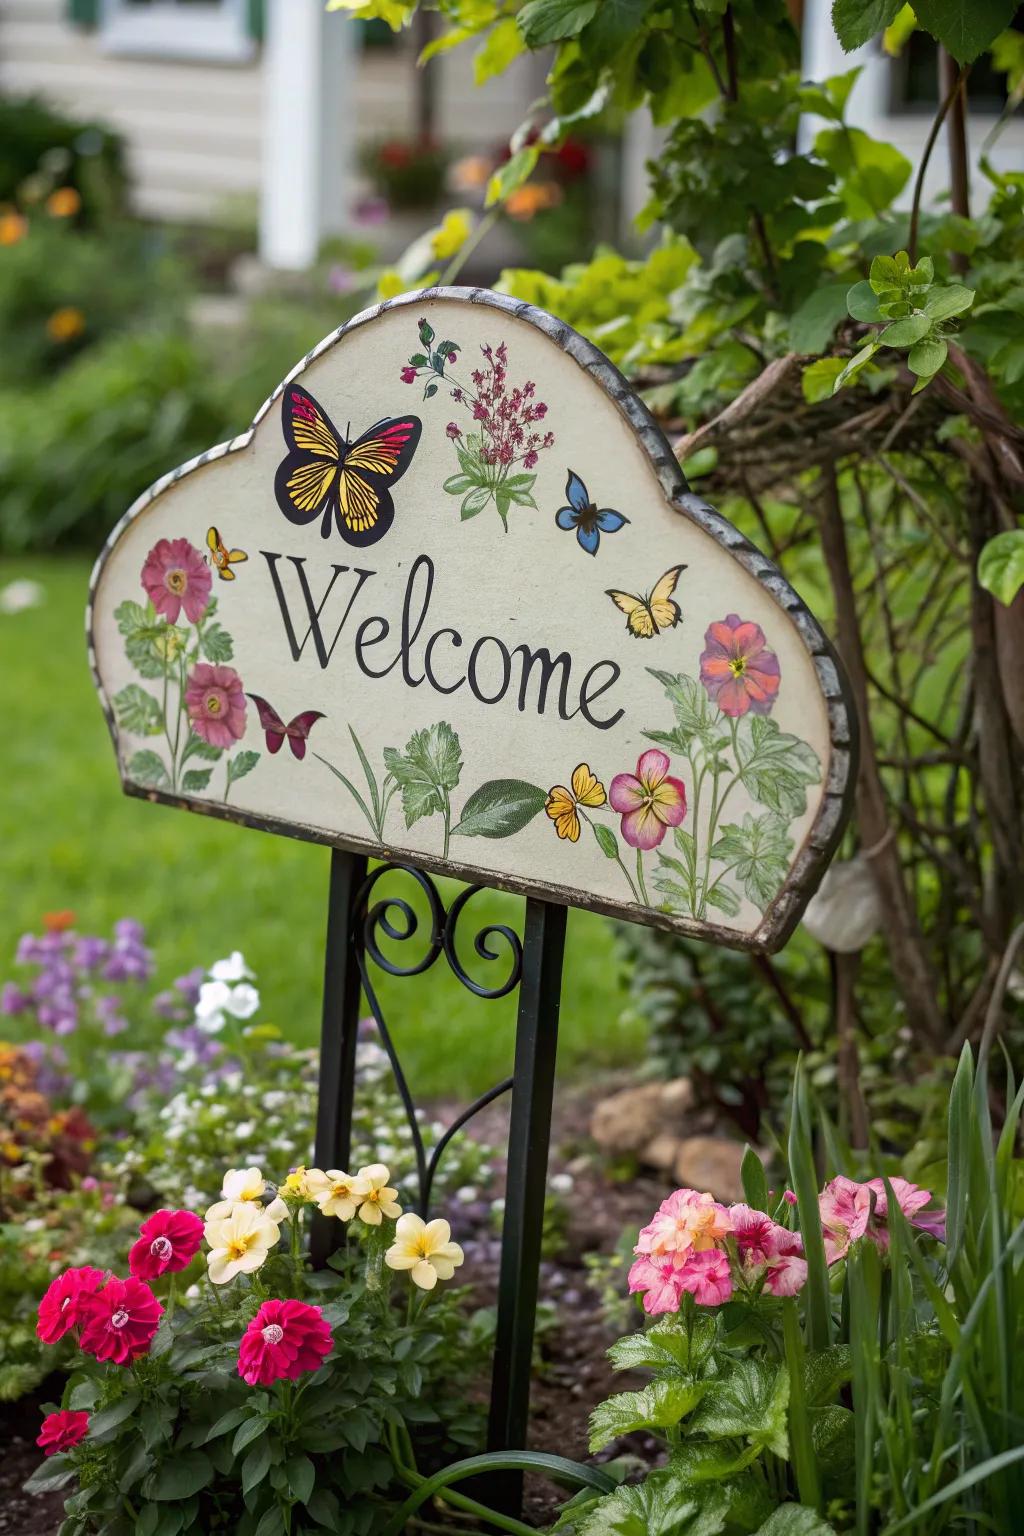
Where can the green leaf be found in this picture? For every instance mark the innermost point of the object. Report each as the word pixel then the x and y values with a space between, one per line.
pixel 695 714
pixel 181 1477
pixel 500 808
pixel 904 333
pixel 795 1520
pixel 257 1464
pixel 426 333
pixel 659 1506
pixel 748 1402
pixel 862 303
pixel 658 1406
pixel 826 1371
pixel 927 357
pixel 197 747
pixel 53 1473
pixel 138 711
pixel 511 176
pixel 776 767
pixel 458 485
pixel 430 765
pixel 546 21
pixel 724 898
pixel 948 299
pixel 216 644
pixel 667 1344
pixel 812 326
pixel 856 363
pixel 503 43
pixel 606 839
pixel 301 1476
pixel 857 21
pixel 818 380
pixel 965 27
pixel 148 769
pixel 758 850
pixel 1001 565
pixel 272 1523
pixel 226 1422
pixel 475 502
pixel 324 1508
pixel 755 1182
pixel 196 779
pixel 109 1418
pixel 241 764
pixel 247 1434
pixel 871 173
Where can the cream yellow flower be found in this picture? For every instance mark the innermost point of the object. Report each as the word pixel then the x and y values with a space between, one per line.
pixel 297 1185
pixel 380 1199
pixel 425 1249
pixel 277 1210
pixel 338 1193
pixel 239 1242
pixel 240 1185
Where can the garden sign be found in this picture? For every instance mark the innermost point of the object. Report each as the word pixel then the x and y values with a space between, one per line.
pixel 450 602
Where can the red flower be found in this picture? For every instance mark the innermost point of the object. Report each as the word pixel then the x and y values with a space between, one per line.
pixel 118 1322
pixel 168 1242
pixel 61 1308
pixel 737 669
pixel 176 576
pixel 453 430
pixel 60 1431
pixel 284 1339
pixel 408 375
pixel 216 703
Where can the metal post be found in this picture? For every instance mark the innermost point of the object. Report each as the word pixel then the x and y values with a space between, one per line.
pixel 529 1134
pixel 338 1033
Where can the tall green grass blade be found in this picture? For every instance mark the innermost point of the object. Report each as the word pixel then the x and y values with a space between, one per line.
pixel 863 1279
pixel 755 1184
pixel 558 1468
pixel 370 779
pixel 960 1137
pixel 805 1183
pixel 801 1447
pixel 959 1485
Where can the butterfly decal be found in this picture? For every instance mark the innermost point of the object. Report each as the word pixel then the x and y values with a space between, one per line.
pixel 323 475
pixel 588 520
pixel 648 616
pixel 296 732
pixel 222 557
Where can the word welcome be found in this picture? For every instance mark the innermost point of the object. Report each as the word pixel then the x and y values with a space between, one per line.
pixel 492 671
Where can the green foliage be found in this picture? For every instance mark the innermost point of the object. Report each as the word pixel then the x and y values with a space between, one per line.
pixel 41 149
pixel 1001 565
pixel 917 310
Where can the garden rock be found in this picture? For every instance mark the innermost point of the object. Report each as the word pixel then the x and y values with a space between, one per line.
pixel 712 1163
pixel 631 1120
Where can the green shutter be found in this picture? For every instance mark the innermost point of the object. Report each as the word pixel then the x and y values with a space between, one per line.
pixel 255 18
pixel 83 13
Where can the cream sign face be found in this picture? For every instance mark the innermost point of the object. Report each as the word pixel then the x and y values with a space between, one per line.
pixel 450 601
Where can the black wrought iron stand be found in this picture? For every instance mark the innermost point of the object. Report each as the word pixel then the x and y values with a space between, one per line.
pixel 355 925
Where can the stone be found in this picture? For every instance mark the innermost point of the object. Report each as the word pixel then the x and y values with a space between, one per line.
pixel 630 1120
pixel 711 1163
pixel 661 1153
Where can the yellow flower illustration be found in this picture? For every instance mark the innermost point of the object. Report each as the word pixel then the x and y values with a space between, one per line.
pixel 380 1200
pixel 561 804
pixel 425 1249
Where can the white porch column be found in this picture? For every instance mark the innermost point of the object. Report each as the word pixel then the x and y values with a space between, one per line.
pixel 823 56
pixel 308 129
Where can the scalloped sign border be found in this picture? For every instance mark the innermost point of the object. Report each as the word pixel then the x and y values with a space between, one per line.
pixel 465 631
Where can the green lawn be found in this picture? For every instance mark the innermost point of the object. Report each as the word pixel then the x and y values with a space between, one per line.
pixel 69 839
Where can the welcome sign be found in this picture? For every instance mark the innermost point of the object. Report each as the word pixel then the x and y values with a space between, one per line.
pixel 450 601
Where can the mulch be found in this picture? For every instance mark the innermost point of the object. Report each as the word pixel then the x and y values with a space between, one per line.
pixel 574 1374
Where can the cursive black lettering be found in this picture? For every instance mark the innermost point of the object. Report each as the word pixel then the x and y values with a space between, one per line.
pixel 473 676
pixel 428 663
pixel 314 611
pixel 588 695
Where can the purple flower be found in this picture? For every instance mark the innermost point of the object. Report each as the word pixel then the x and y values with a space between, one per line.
pixel 90 953
pixel 13 1000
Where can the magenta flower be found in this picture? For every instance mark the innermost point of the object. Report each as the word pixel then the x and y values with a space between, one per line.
pixel 61 1308
pixel 769 1251
pixel 453 430
pixel 737 669
pixel 910 1199
pixel 649 801
pixel 61 1431
pixel 408 375
pixel 175 576
pixel 168 1242
pixel 284 1339
pixel 707 1277
pixel 119 1321
pixel 215 699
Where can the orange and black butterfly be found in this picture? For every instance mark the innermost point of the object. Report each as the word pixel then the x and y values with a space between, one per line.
pixel 323 475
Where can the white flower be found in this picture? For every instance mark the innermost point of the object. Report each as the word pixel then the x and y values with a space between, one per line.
pixel 233 968
pixel 244 1129
pixel 213 999
pixel 425 1249
pixel 336 1192
pixel 466 1195
pixel 277 1210
pixel 562 1183
pixel 240 1241
pixel 243 1001
pixel 243 1184
pixel 19 595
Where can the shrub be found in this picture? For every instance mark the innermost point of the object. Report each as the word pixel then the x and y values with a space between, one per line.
pixel 41 149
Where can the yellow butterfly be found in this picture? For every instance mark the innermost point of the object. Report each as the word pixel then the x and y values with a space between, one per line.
pixel 222 557
pixel 648 616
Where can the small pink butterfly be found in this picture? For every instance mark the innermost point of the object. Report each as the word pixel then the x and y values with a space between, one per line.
pixel 295 732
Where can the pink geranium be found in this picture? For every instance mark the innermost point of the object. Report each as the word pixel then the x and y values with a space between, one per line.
pixel 707 1277
pixel 119 1322
pixel 737 669
pixel 215 699
pixel 284 1339
pixel 768 1252
pixel 658 1281
pixel 649 801
pixel 61 1431
pixel 850 1211
pixel 911 1199
pixel 168 1242
pixel 60 1310
pixel 175 576
pixel 687 1222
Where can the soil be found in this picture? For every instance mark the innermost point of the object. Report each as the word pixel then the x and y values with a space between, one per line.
pixel 574 1374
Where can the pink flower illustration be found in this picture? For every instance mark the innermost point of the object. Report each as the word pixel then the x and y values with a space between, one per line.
pixel 61 1431
pixel 168 1242
pixel 60 1310
pixel 737 669
pixel 119 1321
pixel 408 375
pixel 284 1339
pixel 649 801
pixel 215 699
pixel 175 576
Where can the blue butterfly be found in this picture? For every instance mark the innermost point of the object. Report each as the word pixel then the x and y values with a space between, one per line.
pixel 589 521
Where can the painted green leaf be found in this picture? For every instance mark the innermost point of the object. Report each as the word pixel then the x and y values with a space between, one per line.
pixel 748 1402
pixel 426 333
pixel 196 779
pixel 658 1406
pixel 673 882
pixel 694 711
pixel 197 747
pixel 724 898
pixel 546 21
pixel 776 767
pixel 758 851
pixel 857 21
pixel 965 27
pixel 241 764
pixel 475 502
pixel 216 644
pixel 430 766
pixel 502 501
pixel 458 485
pixel 606 840
pixel 132 616
pixel 1001 565
pixel 148 768
pixel 500 808
pixel 138 711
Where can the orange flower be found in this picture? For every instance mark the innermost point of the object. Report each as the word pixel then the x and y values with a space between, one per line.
pixel 13 227
pixel 58 922
pixel 65 324
pixel 561 804
pixel 524 202
pixel 63 203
